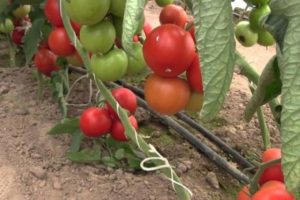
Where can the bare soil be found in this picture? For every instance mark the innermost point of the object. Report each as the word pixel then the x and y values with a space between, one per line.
pixel 33 165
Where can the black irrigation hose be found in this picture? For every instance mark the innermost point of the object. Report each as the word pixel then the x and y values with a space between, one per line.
pixel 207 151
pixel 212 137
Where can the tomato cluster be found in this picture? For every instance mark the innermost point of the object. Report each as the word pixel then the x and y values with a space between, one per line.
pixel 96 122
pixel 169 51
pixel 271 181
pixel 251 32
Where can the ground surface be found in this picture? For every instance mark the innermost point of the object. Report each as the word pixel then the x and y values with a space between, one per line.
pixel 33 165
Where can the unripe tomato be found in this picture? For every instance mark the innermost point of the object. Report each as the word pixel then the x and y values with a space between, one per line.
pixel 44 61
pixel 22 11
pixel 111 66
pixel 17 35
pixel 60 43
pixel 118 130
pixel 126 99
pixel 194 76
pixel 274 172
pixel 98 38
pixel 6 26
pixel 173 14
pixel 87 12
pixel 244 194
pixel 95 122
pixel 75 59
pixel 169 50
pixel 52 12
pixel 166 95
pixel 117 7
pixel 163 3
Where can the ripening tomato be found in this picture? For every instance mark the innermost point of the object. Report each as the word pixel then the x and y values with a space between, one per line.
pixel 194 76
pixel 118 130
pixel 169 50
pixel 273 194
pixel 244 194
pixel 21 11
pixel 86 12
pixel 75 60
pixel 17 35
pixel 166 95
pixel 60 43
pixel 126 99
pixel 45 60
pixel 52 12
pixel 273 172
pixel 173 14
pixel 95 122
pixel 163 3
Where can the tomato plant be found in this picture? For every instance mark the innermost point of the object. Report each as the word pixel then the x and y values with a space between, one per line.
pixel 60 43
pixel 6 26
pixel 95 122
pixel 166 95
pixel 173 14
pixel 169 50
pixel 17 35
pixel 244 194
pixel 118 130
pixel 52 12
pixel 45 61
pixel 21 11
pixel 194 76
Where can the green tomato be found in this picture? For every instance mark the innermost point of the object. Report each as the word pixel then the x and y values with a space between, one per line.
pixel 256 15
pixel 117 7
pixel 6 26
pixel 257 2
pixel 195 102
pixel 136 61
pixel 163 3
pixel 111 66
pixel 265 38
pixel 118 22
pixel 245 35
pixel 98 38
pixel 87 12
pixel 21 11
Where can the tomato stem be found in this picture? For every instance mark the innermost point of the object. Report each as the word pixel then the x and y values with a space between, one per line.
pixel 254 186
pixel 12 51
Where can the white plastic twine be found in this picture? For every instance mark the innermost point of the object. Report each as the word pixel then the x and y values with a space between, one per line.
pixel 166 165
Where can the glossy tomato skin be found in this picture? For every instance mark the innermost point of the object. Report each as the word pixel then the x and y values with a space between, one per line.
pixel 86 12
pixel 169 50
pixel 244 194
pixel 126 99
pixel 17 35
pixel 60 43
pixel 273 194
pixel 273 172
pixel 173 14
pixel 111 66
pixel 52 12
pixel 98 38
pixel 44 61
pixel 166 95
pixel 147 28
pixel 118 130
pixel 194 76
pixel 95 122
pixel 273 185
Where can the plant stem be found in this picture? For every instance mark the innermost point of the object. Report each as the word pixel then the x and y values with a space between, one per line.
pixel 254 186
pixel 129 130
pixel 12 52
pixel 247 70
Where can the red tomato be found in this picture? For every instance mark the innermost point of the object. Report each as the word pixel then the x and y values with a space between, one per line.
pixel 95 122
pixel 60 43
pixel 192 32
pixel 76 27
pixel 52 12
pixel 126 98
pixel 244 194
pixel 273 194
pixel 194 76
pixel 17 35
pixel 147 28
pixel 173 14
pixel 274 185
pixel 118 130
pixel 166 95
pixel 169 50
pixel 44 61
pixel 135 38
pixel 273 172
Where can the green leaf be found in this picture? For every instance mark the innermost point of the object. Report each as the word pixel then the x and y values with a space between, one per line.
pixel 289 62
pixel 32 38
pixel 85 156
pixel 77 137
pixel 133 162
pixel 134 11
pixel 268 88
pixel 3 5
pixel 120 154
pixel 216 45
pixel 109 161
pixel 66 126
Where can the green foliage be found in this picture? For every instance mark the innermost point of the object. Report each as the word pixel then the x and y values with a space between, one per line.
pixel 85 155
pixel 66 126
pixel 216 45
